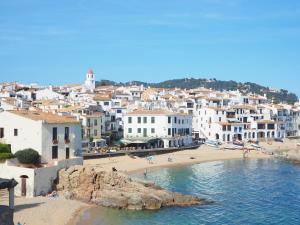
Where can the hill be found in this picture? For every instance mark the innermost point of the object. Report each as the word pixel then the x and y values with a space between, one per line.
pixel 280 95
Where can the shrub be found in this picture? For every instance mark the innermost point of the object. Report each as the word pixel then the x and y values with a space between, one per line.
pixel 6 155
pixel 4 148
pixel 28 156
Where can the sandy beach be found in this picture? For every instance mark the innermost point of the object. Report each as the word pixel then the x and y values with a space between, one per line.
pixel 43 210
pixel 202 154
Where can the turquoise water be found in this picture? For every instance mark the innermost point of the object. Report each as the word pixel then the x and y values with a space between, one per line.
pixel 245 192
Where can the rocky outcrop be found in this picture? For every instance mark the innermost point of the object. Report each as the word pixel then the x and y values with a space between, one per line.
pixel 114 189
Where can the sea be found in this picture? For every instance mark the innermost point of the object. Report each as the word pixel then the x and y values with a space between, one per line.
pixel 250 192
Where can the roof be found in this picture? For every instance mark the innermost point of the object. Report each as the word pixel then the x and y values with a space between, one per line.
pixel 7 183
pixel 154 112
pixel 246 106
pixel 99 97
pixel 43 116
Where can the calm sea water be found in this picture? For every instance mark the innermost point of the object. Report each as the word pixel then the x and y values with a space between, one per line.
pixel 245 192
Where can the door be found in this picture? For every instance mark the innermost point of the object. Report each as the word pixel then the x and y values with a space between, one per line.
pixel 23 186
pixel 67 153
pixel 54 152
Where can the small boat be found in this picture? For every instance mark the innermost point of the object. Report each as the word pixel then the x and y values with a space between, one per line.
pixel 239 143
pixel 278 139
pixel 255 146
pixel 212 143
pixel 234 147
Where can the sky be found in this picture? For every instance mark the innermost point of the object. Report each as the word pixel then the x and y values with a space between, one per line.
pixel 56 42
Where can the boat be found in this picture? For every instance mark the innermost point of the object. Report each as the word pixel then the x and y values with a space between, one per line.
pixel 212 143
pixel 278 139
pixel 255 146
pixel 239 143
pixel 234 147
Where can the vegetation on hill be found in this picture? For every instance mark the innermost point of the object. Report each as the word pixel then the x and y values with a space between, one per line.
pixel 280 95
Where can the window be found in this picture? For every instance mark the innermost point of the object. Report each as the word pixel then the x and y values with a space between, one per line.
pixel 145 119
pixel 169 131
pixel 130 119
pixel 67 131
pixel 152 119
pixel 67 153
pixel 152 130
pixel 129 130
pixel 145 132
pixel 220 119
pixel 95 132
pixel 54 152
pixel 1 132
pixel 175 119
pixel 95 122
pixel 106 103
pixel 119 110
pixel 139 130
pixel 54 133
pixel 169 119
pixel 15 132
pixel 139 119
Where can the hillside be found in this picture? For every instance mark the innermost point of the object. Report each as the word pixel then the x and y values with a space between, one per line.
pixel 280 95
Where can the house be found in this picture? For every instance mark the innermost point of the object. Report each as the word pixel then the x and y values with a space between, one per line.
pixel 157 128
pixel 54 137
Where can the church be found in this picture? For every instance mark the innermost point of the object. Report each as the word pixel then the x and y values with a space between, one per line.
pixel 90 82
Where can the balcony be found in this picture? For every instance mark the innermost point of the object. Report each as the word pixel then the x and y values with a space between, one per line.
pixel 67 140
pixel 55 141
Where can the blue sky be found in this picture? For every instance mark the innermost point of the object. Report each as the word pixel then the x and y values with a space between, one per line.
pixel 55 42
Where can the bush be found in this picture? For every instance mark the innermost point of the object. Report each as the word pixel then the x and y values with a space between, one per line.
pixel 28 156
pixel 4 148
pixel 6 155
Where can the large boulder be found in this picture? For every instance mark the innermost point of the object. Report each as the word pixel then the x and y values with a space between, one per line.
pixel 114 189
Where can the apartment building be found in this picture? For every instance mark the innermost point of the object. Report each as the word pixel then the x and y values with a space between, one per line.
pixel 157 128
pixel 53 137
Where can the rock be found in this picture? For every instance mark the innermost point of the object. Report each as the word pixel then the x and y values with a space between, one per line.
pixel 114 189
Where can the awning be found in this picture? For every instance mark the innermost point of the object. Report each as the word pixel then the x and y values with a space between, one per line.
pixel 138 140
pixel 7 183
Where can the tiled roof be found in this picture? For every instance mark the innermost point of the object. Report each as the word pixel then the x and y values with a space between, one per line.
pixel 43 116
pixel 154 112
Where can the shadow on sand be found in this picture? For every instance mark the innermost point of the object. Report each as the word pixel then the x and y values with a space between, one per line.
pixel 26 206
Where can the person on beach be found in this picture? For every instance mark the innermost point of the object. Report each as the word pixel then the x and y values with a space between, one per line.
pixel 19 223
pixel 145 173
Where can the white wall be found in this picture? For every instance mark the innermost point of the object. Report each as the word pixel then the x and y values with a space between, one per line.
pixel 29 132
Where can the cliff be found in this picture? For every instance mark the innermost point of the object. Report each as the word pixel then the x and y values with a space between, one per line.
pixel 114 189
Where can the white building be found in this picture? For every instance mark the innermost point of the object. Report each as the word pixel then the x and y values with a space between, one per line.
pixel 56 138
pixel 90 82
pixel 53 137
pixel 157 128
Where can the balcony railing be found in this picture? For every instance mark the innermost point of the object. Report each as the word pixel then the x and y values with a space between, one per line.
pixel 67 140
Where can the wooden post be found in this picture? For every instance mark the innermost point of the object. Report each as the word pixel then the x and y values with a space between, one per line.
pixel 11 198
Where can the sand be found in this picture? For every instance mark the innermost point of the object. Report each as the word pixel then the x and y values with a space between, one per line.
pixel 42 210
pixel 46 211
pixel 202 154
